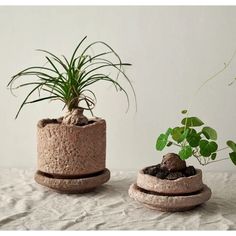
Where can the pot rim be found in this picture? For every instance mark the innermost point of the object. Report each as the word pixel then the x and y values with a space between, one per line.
pixel 178 186
pixel 47 123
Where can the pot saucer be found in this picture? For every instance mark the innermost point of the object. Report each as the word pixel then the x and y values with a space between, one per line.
pixel 169 203
pixel 72 185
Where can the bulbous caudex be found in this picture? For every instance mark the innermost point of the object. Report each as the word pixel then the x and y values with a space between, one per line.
pixel 75 117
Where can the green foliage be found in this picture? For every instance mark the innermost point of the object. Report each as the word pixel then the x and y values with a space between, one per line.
pixel 207 148
pixel 161 142
pixel 191 122
pixel 233 157
pixel 194 140
pixel 213 156
pixel 209 133
pixel 191 139
pixel 69 79
pixel 168 132
pixel 185 152
pixel 184 111
pixel 179 134
pixel 232 145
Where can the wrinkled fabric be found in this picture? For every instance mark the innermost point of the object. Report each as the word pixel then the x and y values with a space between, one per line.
pixel 25 205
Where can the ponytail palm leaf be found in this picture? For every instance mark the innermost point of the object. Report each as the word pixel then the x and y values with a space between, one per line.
pixel 69 80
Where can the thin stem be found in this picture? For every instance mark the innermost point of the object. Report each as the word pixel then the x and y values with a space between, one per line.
pixel 218 160
pixel 176 144
pixel 219 72
pixel 199 160
pixel 222 149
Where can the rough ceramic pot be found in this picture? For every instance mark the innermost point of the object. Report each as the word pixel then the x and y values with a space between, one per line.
pixel 181 194
pixel 80 185
pixel 69 150
pixel 169 203
pixel 182 185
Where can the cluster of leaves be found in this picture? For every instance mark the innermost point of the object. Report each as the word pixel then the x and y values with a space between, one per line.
pixel 69 80
pixel 194 139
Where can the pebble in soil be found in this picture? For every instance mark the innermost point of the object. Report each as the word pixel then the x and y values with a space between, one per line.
pixel 152 170
pixel 162 173
pixel 172 162
pixel 189 171
pixel 174 175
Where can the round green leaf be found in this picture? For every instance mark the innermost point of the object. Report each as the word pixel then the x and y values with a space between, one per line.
pixel 233 157
pixel 194 139
pixel 191 132
pixel 185 152
pixel 207 148
pixel 213 146
pixel 192 122
pixel 161 142
pixel 209 133
pixel 232 145
pixel 179 134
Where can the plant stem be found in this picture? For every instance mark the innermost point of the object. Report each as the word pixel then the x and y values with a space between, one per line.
pixel 176 144
pixel 218 160
pixel 219 72
pixel 222 149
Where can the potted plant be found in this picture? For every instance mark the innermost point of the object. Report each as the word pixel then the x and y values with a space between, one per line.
pixel 172 185
pixel 72 149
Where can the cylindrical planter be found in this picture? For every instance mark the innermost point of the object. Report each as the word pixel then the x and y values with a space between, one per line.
pixel 183 185
pixel 69 150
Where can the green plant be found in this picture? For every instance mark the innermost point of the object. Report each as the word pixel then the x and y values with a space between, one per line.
pixel 195 140
pixel 69 80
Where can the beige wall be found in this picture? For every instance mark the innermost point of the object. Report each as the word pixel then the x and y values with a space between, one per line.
pixel 172 49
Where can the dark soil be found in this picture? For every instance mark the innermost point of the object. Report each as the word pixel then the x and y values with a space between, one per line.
pixel 163 173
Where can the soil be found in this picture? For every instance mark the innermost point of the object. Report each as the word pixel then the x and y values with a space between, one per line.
pixel 164 173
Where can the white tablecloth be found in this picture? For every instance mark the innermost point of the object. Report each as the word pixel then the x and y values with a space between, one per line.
pixel 25 205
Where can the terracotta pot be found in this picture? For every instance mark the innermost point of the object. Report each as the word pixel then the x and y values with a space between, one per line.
pixel 68 150
pixel 170 203
pixel 164 186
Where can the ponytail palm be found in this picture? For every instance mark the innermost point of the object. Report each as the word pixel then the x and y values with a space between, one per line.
pixel 69 80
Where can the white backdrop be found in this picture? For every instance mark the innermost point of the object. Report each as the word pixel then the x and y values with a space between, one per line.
pixel 173 51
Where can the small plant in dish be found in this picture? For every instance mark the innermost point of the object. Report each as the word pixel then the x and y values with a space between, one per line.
pixel 195 139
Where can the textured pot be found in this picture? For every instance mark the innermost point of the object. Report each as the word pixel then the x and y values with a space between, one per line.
pixel 81 185
pixel 183 185
pixel 169 203
pixel 68 150
pixel 181 194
